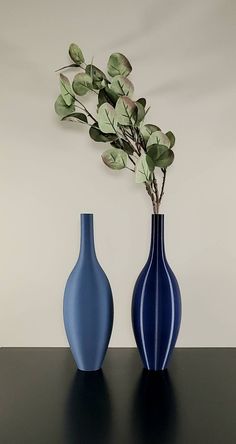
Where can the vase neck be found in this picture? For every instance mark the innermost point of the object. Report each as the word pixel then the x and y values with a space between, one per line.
pixel 87 246
pixel 157 235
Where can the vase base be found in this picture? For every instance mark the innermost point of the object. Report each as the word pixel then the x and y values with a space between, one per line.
pixel 158 370
pixel 89 370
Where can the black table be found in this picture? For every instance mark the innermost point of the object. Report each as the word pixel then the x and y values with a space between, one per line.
pixel 45 400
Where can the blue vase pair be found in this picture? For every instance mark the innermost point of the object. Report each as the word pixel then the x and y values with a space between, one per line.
pixel 88 304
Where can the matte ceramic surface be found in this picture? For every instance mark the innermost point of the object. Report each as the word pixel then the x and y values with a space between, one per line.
pixel 156 305
pixel 88 304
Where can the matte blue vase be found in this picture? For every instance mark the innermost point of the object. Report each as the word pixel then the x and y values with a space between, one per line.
pixel 88 304
pixel 156 305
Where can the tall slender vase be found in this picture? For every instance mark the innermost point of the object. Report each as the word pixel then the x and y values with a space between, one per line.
pixel 88 304
pixel 156 305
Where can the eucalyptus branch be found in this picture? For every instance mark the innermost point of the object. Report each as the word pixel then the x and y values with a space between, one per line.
pixel 156 195
pixel 163 184
pixel 83 106
pixel 115 104
pixel 87 111
pixel 73 65
pixel 141 139
pixel 79 107
pixel 130 158
pixel 133 171
pixel 152 195
pixel 128 139
pixel 139 147
pixel 83 123
pixel 91 89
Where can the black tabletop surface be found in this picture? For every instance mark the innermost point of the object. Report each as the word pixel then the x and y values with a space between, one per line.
pixel 45 400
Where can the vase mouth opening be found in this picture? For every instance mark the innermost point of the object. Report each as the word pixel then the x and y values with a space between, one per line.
pixel 86 214
pixel 157 215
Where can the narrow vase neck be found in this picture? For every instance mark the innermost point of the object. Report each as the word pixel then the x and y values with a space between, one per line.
pixel 157 235
pixel 87 246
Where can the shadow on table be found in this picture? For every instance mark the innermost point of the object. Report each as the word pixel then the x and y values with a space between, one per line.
pixel 88 409
pixel 154 412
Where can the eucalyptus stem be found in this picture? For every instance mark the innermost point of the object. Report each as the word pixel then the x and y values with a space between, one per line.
pixel 156 193
pixel 130 158
pixel 163 184
pixel 129 139
pixel 151 193
pixel 87 111
pixel 133 171
pixel 73 65
pixel 83 106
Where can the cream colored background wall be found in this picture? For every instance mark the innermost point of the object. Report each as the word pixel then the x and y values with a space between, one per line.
pixel 183 57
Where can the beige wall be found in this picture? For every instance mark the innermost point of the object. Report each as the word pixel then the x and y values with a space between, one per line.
pixel 183 56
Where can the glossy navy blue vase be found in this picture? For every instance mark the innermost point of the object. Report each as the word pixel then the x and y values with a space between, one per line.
pixel 156 305
pixel 88 304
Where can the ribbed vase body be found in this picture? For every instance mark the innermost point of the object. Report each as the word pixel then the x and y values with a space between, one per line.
pixel 156 305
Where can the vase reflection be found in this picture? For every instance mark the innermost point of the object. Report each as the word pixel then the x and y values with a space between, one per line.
pixel 88 409
pixel 154 412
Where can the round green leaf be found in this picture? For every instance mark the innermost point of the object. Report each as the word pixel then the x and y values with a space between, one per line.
pixel 171 138
pixel 144 169
pixel 166 159
pixel 106 118
pixel 125 111
pixel 82 83
pixel 115 159
pixel 76 116
pixel 118 64
pixel 155 152
pixel 122 86
pixel 96 75
pixel 66 90
pixel 98 136
pixel 62 109
pixel 161 156
pixel 147 130
pixel 159 138
pixel 76 54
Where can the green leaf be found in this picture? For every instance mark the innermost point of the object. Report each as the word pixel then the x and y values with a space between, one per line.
pixel 106 118
pixel 62 109
pixel 96 75
pixel 171 138
pixel 147 130
pixel 82 83
pixel 144 169
pixel 118 64
pixel 123 145
pixel 159 138
pixel 155 152
pixel 76 54
pixel 166 159
pixel 66 90
pixel 106 95
pixel 115 159
pixel 76 116
pixel 125 111
pixel 142 101
pixel 98 136
pixel 122 86
pixel 161 156
pixel 140 113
